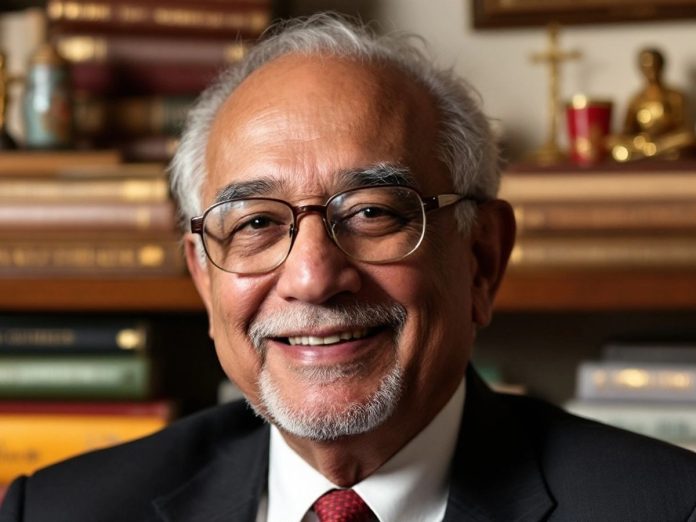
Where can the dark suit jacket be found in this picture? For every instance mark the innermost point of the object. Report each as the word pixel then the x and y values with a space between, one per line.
pixel 517 459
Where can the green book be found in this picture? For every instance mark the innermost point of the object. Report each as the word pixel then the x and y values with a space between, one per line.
pixel 73 377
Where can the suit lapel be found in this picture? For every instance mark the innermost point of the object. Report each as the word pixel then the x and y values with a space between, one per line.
pixel 229 488
pixel 495 475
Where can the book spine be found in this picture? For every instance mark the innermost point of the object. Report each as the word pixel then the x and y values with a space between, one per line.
pixel 50 217
pixel 14 163
pixel 74 377
pixel 158 409
pixel 105 48
pixel 149 148
pixel 173 79
pixel 595 186
pixel 604 252
pixel 204 18
pixel 643 381
pixel 30 442
pixel 605 217
pixel 84 258
pixel 663 421
pixel 36 334
pixel 84 190
pixel 131 116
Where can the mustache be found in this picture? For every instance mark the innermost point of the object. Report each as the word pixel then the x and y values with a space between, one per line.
pixel 296 318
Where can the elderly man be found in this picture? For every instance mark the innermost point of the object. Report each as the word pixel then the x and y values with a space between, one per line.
pixel 347 244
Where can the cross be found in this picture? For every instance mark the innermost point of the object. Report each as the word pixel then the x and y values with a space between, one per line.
pixel 553 56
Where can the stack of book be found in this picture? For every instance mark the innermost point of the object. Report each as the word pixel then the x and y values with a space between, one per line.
pixel 649 388
pixel 637 216
pixel 85 214
pixel 70 385
pixel 138 66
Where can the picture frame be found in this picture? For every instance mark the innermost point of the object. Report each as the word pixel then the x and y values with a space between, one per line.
pixel 492 14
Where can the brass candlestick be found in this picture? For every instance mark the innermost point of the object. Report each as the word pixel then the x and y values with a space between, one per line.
pixel 550 152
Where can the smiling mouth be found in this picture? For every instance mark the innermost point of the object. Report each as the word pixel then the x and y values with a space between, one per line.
pixel 311 340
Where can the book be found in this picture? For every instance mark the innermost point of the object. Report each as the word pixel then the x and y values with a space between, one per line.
pixel 99 189
pixel 131 116
pixel 45 217
pixel 90 377
pixel 35 435
pixel 70 334
pixel 100 256
pixel 148 148
pixel 673 422
pixel 650 352
pixel 594 185
pixel 48 163
pixel 139 78
pixel 233 19
pixel 148 49
pixel 598 252
pixel 606 217
pixel 636 381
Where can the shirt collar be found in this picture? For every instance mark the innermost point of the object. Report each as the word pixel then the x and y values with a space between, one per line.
pixel 407 487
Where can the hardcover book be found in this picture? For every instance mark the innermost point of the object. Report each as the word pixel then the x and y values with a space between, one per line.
pixel 34 435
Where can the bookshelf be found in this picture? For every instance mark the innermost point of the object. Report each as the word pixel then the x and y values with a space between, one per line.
pixel 520 292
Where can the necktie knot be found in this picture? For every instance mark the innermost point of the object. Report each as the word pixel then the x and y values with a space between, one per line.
pixel 343 505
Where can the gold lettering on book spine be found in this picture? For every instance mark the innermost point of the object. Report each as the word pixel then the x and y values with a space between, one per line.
pixel 253 21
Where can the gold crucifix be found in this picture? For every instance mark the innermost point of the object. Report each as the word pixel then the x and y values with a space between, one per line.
pixel 550 152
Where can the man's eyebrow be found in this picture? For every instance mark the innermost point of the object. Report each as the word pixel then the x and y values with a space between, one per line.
pixel 378 174
pixel 248 189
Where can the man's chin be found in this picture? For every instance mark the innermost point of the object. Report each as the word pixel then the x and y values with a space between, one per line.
pixel 330 416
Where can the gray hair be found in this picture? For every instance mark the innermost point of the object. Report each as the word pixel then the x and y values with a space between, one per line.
pixel 466 145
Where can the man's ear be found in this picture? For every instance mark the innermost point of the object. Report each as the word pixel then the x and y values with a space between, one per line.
pixel 200 274
pixel 492 238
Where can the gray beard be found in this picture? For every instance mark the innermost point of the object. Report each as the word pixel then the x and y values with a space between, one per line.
pixel 336 420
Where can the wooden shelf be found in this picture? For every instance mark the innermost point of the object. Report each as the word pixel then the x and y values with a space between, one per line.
pixel 520 292
pixel 100 295
pixel 592 290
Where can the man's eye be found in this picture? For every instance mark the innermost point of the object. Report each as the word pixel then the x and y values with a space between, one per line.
pixel 372 212
pixel 258 222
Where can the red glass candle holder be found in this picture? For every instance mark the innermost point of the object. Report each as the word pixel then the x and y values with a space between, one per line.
pixel 589 124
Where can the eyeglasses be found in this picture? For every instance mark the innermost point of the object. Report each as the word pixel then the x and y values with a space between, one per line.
pixel 375 224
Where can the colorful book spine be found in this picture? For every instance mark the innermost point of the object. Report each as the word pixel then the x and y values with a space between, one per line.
pixel 231 19
pixel 84 257
pixel 606 217
pixel 598 252
pixel 636 381
pixel 56 216
pixel 38 334
pixel 44 433
pixel 90 377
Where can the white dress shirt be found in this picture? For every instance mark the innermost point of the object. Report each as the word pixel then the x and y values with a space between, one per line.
pixel 412 485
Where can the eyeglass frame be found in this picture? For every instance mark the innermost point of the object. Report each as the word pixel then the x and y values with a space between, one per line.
pixel 428 203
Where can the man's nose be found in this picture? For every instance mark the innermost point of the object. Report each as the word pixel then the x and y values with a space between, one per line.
pixel 316 269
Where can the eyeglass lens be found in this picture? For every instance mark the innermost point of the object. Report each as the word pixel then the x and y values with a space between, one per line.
pixel 371 224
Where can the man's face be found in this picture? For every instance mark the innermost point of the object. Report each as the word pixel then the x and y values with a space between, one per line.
pixel 299 124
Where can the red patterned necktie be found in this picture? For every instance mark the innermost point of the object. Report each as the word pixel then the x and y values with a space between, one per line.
pixel 343 505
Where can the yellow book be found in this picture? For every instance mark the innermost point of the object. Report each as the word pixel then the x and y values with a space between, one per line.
pixel 29 441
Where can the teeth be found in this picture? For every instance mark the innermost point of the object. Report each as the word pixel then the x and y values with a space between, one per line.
pixel 310 340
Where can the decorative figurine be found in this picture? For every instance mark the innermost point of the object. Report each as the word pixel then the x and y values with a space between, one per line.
pixel 656 121
pixel 47 101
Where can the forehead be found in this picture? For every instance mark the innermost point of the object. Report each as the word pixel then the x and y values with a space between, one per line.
pixel 306 120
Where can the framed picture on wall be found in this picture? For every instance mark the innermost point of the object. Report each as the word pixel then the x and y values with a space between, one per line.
pixel 490 14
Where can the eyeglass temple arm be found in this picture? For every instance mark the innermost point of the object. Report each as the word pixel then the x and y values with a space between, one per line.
pixel 444 200
pixel 197 228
